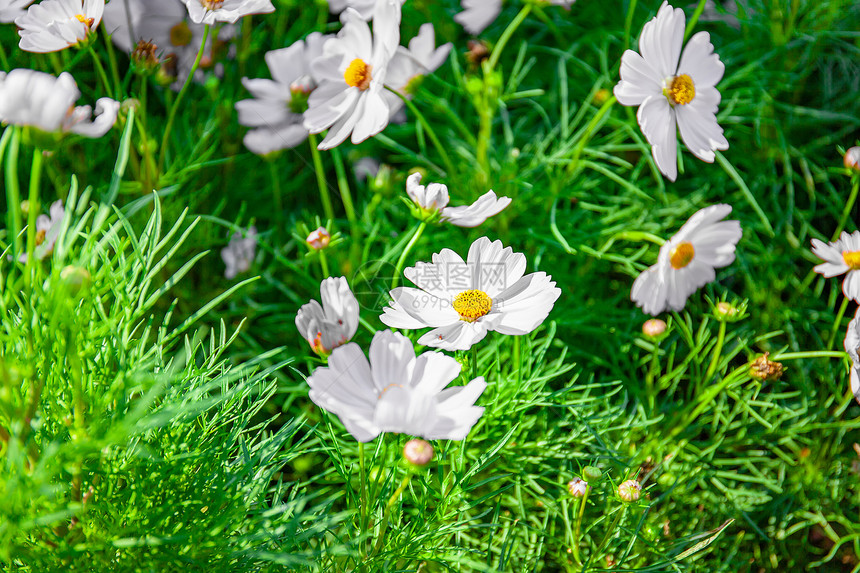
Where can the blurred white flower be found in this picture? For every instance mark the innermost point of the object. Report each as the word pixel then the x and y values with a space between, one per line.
pixel 42 101
pixel 409 65
pixel 478 14
pixel 47 230
pixel 852 338
pixel 363 7
pixel 240 252
pixel 54 25
pixel 434 199
pixel 396 392
pixel 687 261
pixel 212 11
pixel 351 73
pixel 462 300
pixel 852 158
pixel 11 9
pixel 668 92
pixel 841 256
pixel 333 323
pixel 278 109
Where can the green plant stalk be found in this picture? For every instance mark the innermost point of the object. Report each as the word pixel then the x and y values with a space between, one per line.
pixel 577 528
pixel 428 129
pixel 114 69
pixel 836 323
pixel 739 181
pixel 618 515
pixel 639 236
pixel 506 36
pixel 402 260
pixel 346 198
pixel 718 349
pixel 391 501
pixel 101 71
pixel 162 153
pixel 628 23
pixel 362 509
pixel 33 202
pixel 589 132
pixel 694 19
pixel 652 375
pixel 321 182
pixel 278 200
pixel 847 210
pixel 324 264
pixel 518 361
pixel 13 193
pixel 474 361
pixel 3 59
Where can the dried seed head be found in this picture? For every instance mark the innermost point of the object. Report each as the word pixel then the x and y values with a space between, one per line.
pixel 765 369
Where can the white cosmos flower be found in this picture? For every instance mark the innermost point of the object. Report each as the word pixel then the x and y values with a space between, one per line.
pixel 852 347
pixel 668 92
pixel 478 14
pixel 841 256
pixel 364 8
pixel 396 392
pixel 409 65
pixel 212 11
pixel 687 261
pixel 462 300
pixel 351 73
pixel 54 25
pixel 433 199
pixel 239 253
pixel 47 230
pixel 11 9
pixel 42 101
pixel 333 323
pixel 277 111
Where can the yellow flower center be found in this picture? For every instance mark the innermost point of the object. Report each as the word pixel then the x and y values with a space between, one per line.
pixel 357 74
pixel 681 91
pixel 472 304
pixel 682 255
pixel 40 237
pixel 212 4
pixel 88 22
pixel 852 259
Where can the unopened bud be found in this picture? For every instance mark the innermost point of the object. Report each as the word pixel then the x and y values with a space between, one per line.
pixel 418 452
pixel 601 96
pixel 478 51
pixel 577 487
pixel 726 310
pixel 318 239
pixel 144 57
pixel 629 490
pixel 591 473
pixel 852 158
pixel 654 328
pixel 75 278
pixel 765 369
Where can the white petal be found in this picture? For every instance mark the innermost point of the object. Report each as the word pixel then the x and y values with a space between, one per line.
pixel 657 120
pixel 700 62
pixel 639 80
pixel 525 305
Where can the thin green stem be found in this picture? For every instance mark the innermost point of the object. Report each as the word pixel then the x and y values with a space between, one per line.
pixel 628 22
pixel 609 532
pixel 321 182
pixel 836 323
pixel 277 198
pixel 474 361
pixel 694 19
pixel 588 132
pixel 505 37
pixel 577 528
pixel 3 59
pixel 847 210
pixel 13 191
pixel 362 510
pixel 114 68
pixel 639 236
pixel 518 359
pixel 652 375
pixel 428 129
pixel 175 107
pixel 402 260
pixel 391 501
pixel 33 202
pixel 739 181
pixel 324 264
pixel 718 350
pixel 101 70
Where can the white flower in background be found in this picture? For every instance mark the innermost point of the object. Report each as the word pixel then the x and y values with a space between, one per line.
pixel 409 65
pixel 351 73
pixel 841 256
pixel 47 231
pixel 240 252
pixel 333 323
pixel 42 101
pixel 11 9
pixel 396 392
pixel 478 14
pixel 278 109
pixel 212 11
pixel 54 25
pixel 852 347
pixel 363 7
pixel 462 300
pixel 687 261
pixel 668 92
pixel 433 199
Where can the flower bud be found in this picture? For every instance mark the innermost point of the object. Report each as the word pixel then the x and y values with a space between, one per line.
pixel 144 58
pixel 766 370
pixel 577 487
pixel 601 96
pixel 418 452
pixel 725 310
pixel 318 239
pixel 630 490
pixel 75 278
pixel 591 473
pixel 852 158
pixel 654 328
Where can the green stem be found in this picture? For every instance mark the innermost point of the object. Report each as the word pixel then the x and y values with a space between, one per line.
pixel 33 201
pixel 324 264
pixel 639 236
pixel 346 198
pixel 474 361
pixel 402 260
pixel 518 361
pixel 694 18
pixel 718 349
pixel 321 182
pixel 391 501
pixel 505 38
pixel 628 22
pixel 363 494
pixel 842 308
pixel 848 206
pixel 175 107
pixel 101 71
pixel 618 515
pixel 739 181
pixel 429 130
pixel 13 192
pixel 577 528
pixel 114 69
pixel 276 196
pixel 588 132
pixel 651 376
pixel 3 60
